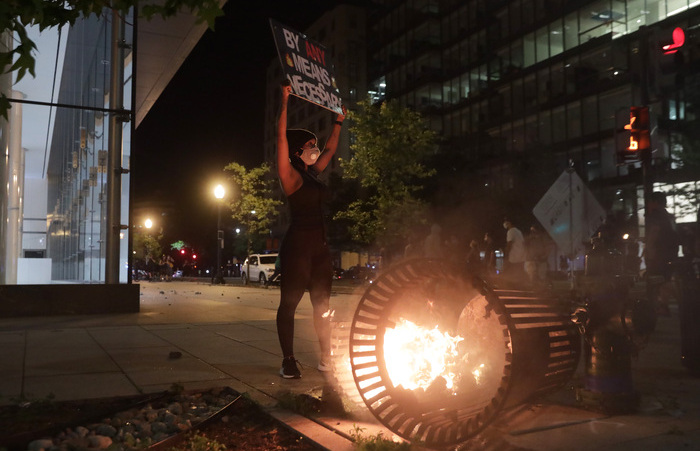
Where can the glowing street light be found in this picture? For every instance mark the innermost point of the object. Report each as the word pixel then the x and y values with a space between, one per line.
pixel 148 223
pixel 219 192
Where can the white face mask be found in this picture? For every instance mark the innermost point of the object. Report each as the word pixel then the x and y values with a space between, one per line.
pixel 310 155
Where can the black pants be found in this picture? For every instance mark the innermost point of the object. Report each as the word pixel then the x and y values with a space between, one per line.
pixel 306 265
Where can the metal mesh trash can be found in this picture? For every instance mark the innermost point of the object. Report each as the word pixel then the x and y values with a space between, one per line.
pixel 503 347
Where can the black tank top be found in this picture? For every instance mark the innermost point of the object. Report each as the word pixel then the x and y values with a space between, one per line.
pixel 306 203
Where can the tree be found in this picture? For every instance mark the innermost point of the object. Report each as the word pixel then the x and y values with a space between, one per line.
pixel 253 207
pixel 147 250
pixel 17 15
pixel 390 147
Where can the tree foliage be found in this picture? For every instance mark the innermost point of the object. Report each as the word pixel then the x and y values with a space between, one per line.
pixel 17 15
pixel 253 193
pixel 390 147
pixel 146 246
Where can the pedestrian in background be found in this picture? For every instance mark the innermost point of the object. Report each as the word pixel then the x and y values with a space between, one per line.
pixel 473 263
pixel 489 249
pixel 537 250
pixel 514 263
pixel 432 246
pixel 414 248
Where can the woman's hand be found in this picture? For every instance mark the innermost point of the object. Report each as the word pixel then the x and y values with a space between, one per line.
pixel 341 116
pixel 286 90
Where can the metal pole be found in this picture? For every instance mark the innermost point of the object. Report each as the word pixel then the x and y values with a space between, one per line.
pixel 114 169
pixel 219 246
pixel 570 170
pixel 647 177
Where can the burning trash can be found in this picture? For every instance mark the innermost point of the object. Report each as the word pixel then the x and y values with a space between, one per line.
pixel 435 357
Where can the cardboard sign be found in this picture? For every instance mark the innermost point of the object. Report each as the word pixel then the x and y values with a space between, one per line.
pixel 308 67
pixel 569 213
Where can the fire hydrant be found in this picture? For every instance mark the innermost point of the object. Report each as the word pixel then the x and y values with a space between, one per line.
pixel 614 325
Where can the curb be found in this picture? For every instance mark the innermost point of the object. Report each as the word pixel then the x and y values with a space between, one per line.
pixel 320 435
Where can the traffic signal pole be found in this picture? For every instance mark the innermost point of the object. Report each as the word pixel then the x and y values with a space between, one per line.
pixel 645 154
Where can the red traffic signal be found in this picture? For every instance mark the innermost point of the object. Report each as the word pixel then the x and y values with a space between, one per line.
pixel 678 41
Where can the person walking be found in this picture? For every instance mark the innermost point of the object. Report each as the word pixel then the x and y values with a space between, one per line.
pixel 472 259
pixel 515 252
pixel 537 250
pixel 432 246
pixel 489 249
pixel 304 254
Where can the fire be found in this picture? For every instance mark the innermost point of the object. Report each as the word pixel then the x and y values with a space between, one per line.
pixel 415 357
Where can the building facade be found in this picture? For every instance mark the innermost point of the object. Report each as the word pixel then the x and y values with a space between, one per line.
pixel 522 90
pixel 58 159
pixel 64 208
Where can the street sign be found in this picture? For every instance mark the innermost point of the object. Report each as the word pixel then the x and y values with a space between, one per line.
pixel 569 213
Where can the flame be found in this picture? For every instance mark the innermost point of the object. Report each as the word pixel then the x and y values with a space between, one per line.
pixel 415 357
pixel 478 372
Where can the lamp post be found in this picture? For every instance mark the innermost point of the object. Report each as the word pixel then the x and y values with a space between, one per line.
pixel 219 194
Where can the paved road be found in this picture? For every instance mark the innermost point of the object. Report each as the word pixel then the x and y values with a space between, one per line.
pixel 194 302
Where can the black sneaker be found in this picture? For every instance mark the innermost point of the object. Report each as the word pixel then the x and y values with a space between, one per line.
pixel 289 368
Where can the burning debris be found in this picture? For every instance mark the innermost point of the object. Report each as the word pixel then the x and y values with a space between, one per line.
pixel 416 357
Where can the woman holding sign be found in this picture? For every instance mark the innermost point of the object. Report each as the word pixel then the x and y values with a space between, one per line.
pixel 304 254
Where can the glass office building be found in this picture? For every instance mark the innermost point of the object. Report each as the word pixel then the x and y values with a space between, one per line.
pixel 542 85
pixel 62 126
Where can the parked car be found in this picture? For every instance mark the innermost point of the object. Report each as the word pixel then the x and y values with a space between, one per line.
pixel 260 267
pixel 359 273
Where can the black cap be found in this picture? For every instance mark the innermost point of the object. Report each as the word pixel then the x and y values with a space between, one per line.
pixel 297 137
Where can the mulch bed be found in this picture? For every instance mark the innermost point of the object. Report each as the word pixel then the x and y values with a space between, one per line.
pixel 243 425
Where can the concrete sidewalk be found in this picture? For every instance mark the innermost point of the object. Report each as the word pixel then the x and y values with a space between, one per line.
pixel 201 336
pixel 191 334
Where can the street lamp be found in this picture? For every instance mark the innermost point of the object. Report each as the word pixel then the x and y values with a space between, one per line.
pixel 219 194
pixel 148 223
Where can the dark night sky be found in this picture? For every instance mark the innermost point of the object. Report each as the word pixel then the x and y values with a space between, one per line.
pixel 211 113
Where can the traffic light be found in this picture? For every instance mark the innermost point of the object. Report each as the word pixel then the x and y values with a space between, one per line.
pixel 667 68
pixel 678 37
pixel 633 139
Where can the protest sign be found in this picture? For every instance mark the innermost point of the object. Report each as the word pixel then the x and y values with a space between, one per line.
pixel 307 66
